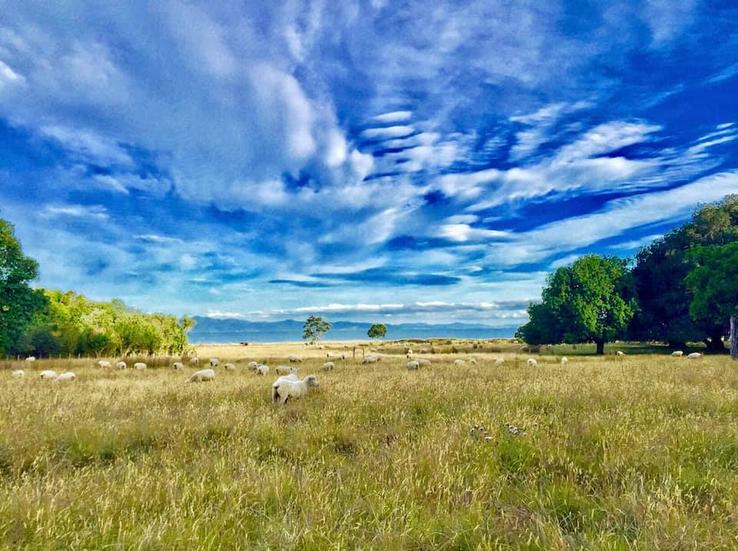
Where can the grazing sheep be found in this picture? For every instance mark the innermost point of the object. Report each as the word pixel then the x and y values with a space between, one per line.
pixel 195 360
pixel 253 364
pixel 327 366
pixel 214 362
pixel 229 366
pixel 499 361
pixel 409 351
pixel 285 369
pixel 139 365
pixel 532 362
pixel 288 387
pixel 177 365
pixel 423 362
pixel 262 369
pixel 564 360
pixel 48 374
pixel 31 359
pixel 292 358
pixel 120 365
pixel 104 364
pixel 67 376
pixel 620 353
pixel 413 364
pixel 694 356
pixel 473 361
pixel 18 374
pixel 459 362
pixel 677 353
pixel 370 359
pixel 202 376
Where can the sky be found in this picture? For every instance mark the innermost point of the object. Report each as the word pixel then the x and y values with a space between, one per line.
pixel 375 160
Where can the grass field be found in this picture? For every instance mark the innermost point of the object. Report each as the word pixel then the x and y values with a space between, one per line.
pixel 639 452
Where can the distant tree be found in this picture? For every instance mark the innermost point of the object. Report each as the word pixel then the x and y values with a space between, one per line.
pixel 377 331
pixel 314 328
pixel 590 301
pixel 19 303
pixel 713 282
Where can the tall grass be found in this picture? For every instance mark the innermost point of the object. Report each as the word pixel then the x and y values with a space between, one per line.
pixel 640 452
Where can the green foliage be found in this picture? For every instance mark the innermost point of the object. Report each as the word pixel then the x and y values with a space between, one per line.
pixel 18 302
pixel 314 328
pixel 377 331
pixel 589 301
pixel 713 282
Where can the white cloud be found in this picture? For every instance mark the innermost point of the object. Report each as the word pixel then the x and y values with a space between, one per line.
pixel 90 212
pixel 388 131
pixel 394 116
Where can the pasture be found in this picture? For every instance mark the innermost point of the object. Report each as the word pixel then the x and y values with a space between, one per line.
pixel 638 452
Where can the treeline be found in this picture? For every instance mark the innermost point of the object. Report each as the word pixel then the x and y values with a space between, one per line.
pixel 680 288
pixel 44 323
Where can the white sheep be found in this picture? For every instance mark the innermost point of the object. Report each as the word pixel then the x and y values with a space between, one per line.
pixel 499 361
pixel 120 365
pixel 18 374
pixel 284 369
pixel 459 362
pixel 412 364
pixel 229 366
pixel 48 374
pixel 620 353
pixel 677 353
pixel 202 376
pixel 370 359
pixel 327 366
pixel 104 364
pixel 177 365
pixel 564 360
pixel 214 362
pixel 31 359
pixel 288 387
pixel 292 358
pixel 252 364
pixel 262 369
pixel 139 365
pixel 423 362
pixel 694 356
pixel 66 376
pixel 195 360
pixel 532 362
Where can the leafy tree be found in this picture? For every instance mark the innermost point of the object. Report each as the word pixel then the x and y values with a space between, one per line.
pixel 377 331
pixel 713 282
pixel 18 302
pixel 590 301
pixel 314 328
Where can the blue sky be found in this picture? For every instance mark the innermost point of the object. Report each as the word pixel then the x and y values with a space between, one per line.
pixel 378 160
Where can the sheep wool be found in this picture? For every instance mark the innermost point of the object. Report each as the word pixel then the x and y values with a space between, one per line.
pixel 677 353
pixel 327 366
pixel 48 374
pixel 564 360
pixel 284 369
pixel 459 362
pixel 104 364
pixel 412 365
pixel 214 362
pixel 694 356
pixel 66 376
pixel 18 374
pixel 229 366
pixel 288 387
pixel 532 362
pixel 139 365
pixel 177 365
pixel 121 365
pixel 202 376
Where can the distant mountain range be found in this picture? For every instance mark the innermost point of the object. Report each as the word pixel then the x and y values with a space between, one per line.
pixel 223 330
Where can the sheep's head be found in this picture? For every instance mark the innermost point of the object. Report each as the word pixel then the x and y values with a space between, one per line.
pixel 311 381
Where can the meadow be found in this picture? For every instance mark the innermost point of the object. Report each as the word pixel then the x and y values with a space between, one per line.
pixel 634 452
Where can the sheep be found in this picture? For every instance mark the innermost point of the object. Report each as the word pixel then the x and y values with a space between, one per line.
pixel 195 360
pixel 413 364
pixel 31 359
pixel 370 359
pixel 459 362
pixel 423 362
pixel 262 369
pixel 292 358
pixel 253 364
pixel 288 387
pixel 202 376
pixel 177 365
pixel 229 366
pixel 532 362
pixel 139 365
pixel 67 376
pixel 564 360
pixel 285 369
pixel 18 374
pixel 48 374
pixel 677 353
pixel 214 362
pixel 104 364
pixel 473 361
pixel 327 366
pixel 620 353
pixel 120 365
pixel 694 356
pixel 499 361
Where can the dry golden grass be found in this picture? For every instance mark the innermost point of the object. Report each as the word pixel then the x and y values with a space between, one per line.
pixel 639 452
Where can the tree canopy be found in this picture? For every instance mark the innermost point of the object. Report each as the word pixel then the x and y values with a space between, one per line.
pixel 377 331
pixel 314 328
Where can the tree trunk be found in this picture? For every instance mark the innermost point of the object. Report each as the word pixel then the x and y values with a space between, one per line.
pixel 600 347
pixel 734 337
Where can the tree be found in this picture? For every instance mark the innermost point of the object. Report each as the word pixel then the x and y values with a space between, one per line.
pixel 377 331
pixel 713 282
pixel 18 302
pixel 590 301
pixel 314 328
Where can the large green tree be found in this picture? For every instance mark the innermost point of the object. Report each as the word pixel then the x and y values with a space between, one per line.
pixel 590 301
pixel 315 327
pixel 19 303
pixel 660 278
pixel 377 331
pixel 713 282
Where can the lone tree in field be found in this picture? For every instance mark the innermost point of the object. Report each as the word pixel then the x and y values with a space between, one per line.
pixel 589 301
pixel 714 286
pixel 314 328
pixel 18 302
pixel 377 331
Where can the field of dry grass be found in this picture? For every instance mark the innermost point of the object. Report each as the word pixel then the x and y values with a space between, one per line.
pixel 639 452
